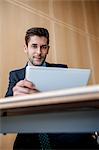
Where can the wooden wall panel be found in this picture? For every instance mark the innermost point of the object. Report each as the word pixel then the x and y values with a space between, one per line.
pixel 92 17
pixel 1 46
pixel 95 59
pixel 91 11
pixel 42 6
pixel 71 48
pixel 70 13
pixel 6 141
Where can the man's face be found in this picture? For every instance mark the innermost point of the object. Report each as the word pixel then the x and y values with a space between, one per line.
pixel 37 50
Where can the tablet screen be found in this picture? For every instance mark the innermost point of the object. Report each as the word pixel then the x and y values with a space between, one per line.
pixel 54 78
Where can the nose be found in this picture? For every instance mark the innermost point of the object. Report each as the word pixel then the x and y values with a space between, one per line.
pixel 38 50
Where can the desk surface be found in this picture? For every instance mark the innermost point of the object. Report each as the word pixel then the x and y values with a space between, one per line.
pixel 74 98
pixel 72 110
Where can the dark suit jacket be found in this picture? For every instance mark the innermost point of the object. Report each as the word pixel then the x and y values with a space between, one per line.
pixel 57 141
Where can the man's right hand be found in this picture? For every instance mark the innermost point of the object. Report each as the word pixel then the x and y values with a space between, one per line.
pixel 24 87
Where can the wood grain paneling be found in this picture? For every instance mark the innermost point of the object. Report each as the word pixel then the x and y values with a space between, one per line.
pixel 71 48
pixel 92 11
pixel 95 58
pixel 37 5
pixel 70 13
pixel 6 141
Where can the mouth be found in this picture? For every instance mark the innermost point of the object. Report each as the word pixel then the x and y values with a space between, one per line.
pixel 37 58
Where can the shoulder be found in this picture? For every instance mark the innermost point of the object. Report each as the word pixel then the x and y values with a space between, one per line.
pixel 18 73
pixel 17 70
pixel 56 65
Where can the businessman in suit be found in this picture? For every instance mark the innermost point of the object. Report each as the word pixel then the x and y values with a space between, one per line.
pixel 37 47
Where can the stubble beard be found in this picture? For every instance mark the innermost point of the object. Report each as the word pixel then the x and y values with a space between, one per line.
pixel 31 60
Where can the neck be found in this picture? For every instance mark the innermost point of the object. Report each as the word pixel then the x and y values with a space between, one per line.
pixel 29 64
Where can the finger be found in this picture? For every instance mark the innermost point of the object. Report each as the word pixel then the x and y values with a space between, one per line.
pixel 26 83
pixel 17 90
pixel 20 89
pixel 22 94
pixel 34 91
pixel 19 93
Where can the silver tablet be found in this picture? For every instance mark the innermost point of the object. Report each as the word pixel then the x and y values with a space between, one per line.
pixel 53 78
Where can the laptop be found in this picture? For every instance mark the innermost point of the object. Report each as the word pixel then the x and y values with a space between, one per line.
pixel 54 78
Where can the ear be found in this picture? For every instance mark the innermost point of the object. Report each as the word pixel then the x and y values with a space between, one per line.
pixel 25 48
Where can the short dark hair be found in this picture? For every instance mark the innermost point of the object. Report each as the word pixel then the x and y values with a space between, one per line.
pixel 36 31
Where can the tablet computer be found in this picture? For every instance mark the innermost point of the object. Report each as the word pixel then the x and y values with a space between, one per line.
pixel 54 78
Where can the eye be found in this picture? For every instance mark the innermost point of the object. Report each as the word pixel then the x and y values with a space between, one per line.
pixel 34 46
pixel 44 46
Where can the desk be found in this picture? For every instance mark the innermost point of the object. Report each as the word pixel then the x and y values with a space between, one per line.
pixel 68 110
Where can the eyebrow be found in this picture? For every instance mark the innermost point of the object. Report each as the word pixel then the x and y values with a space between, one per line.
pixel 34 44
pixel 40 45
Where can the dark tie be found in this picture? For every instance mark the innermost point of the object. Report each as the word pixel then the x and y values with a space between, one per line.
pixel 44 141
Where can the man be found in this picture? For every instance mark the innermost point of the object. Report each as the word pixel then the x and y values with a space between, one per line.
pixel 37 47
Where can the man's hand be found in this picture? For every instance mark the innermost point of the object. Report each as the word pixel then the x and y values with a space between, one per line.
pixel 24 87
